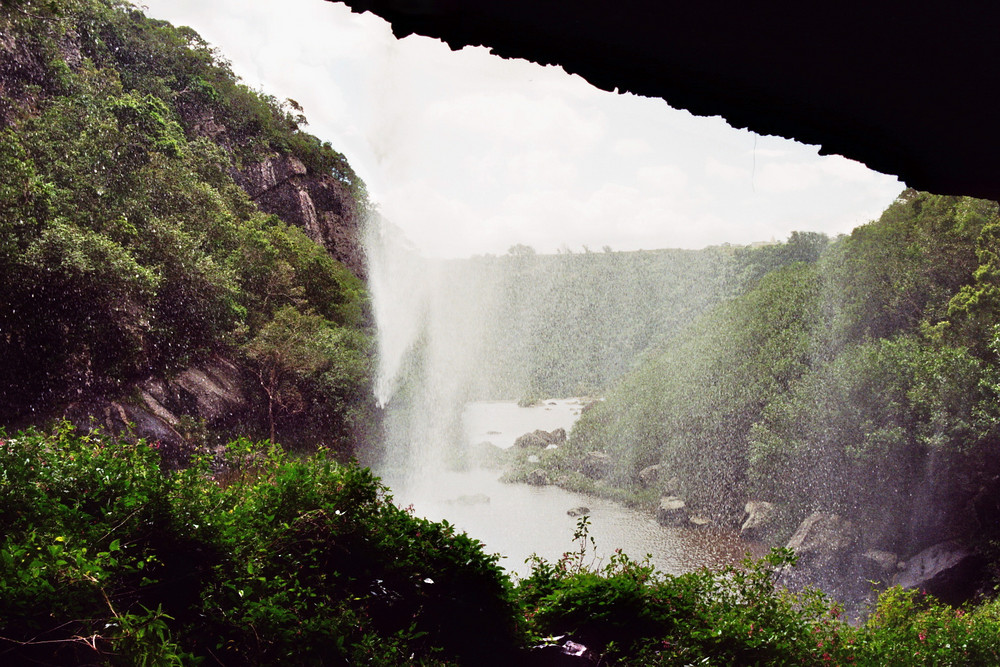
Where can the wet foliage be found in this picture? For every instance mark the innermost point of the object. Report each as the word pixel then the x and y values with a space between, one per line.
pixel 863 381
pixel 127 249
pixel 106 557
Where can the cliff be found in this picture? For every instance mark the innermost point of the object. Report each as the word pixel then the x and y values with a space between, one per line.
pixel 162 227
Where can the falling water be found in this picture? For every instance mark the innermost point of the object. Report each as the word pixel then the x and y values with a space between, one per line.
pixel 431 317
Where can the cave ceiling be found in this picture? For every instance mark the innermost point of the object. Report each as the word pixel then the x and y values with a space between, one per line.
pixel 907 90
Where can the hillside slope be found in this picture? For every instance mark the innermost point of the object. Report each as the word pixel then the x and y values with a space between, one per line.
pixel 175 251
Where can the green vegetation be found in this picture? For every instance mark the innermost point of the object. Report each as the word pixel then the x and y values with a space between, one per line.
pixel 633 615
pixel 572 324
pixel 127 249
pixel 863 381
pixel 105 554
pixel 104 557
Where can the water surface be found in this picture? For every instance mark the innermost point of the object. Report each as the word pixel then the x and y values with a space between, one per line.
pixel 518 520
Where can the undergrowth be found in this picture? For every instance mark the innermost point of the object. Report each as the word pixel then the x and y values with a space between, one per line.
pixel 106 558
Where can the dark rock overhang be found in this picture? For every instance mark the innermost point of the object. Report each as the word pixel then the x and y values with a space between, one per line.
pixel 907 90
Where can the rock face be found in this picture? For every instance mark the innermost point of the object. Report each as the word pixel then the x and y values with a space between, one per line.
pixel 760 522
pixel 948 570
pixel 320 204
pixel 877 566
pixel 672 512
pixel 215 391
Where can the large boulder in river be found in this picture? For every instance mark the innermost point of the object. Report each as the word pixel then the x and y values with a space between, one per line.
pixel 877 566
pixel 672 512
pixel 823 543
pixel 531 440
pixel 761 521
pixel 597 465
pixel 949 570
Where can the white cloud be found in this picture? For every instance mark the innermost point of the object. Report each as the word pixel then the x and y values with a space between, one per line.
pixel 470 153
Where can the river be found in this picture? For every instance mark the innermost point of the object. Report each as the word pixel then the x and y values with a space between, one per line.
pixel 518 520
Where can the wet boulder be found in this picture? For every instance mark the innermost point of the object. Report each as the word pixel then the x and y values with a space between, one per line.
pixel 650 475
pixel 672 512
pixel 597 465
pixel 948 570
pixel 473 499
pixel 537 477
pixel 876 565
pixel 824 543
pixel 761 521
pixel 578 511
pixel 529 440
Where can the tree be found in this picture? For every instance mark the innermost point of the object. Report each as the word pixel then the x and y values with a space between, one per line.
pixel 286 350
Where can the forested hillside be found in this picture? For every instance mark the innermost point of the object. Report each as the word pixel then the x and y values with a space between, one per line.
pixel 863 383
pixel 172 243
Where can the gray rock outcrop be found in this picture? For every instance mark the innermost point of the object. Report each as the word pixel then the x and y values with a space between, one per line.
pixel 948 570
pixel 672 512
pixel 761 521
pixel 823 543
pixel 530 440
pixel 596 465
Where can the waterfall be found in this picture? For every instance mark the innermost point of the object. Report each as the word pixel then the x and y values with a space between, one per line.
pixel 432 317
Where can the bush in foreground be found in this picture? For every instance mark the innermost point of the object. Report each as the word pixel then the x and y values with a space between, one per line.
pixel 104 557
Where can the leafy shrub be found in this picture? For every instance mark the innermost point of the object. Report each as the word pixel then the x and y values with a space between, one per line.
pixel 104 556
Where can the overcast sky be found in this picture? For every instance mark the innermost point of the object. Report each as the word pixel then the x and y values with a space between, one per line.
pixel 469 153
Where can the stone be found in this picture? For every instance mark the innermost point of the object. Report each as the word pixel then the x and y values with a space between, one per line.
pixel 537 477
pixel 672 487
pixel 473 499
pixel 650 475
pixel 761 521
pixel 876 565
pixel 597 465
pixel 216 389
pixel 530 440
pixel 578 511
pixel 699 520
pixel 672 512
pixel 824 543
pixel 948 570
pixel 822 533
